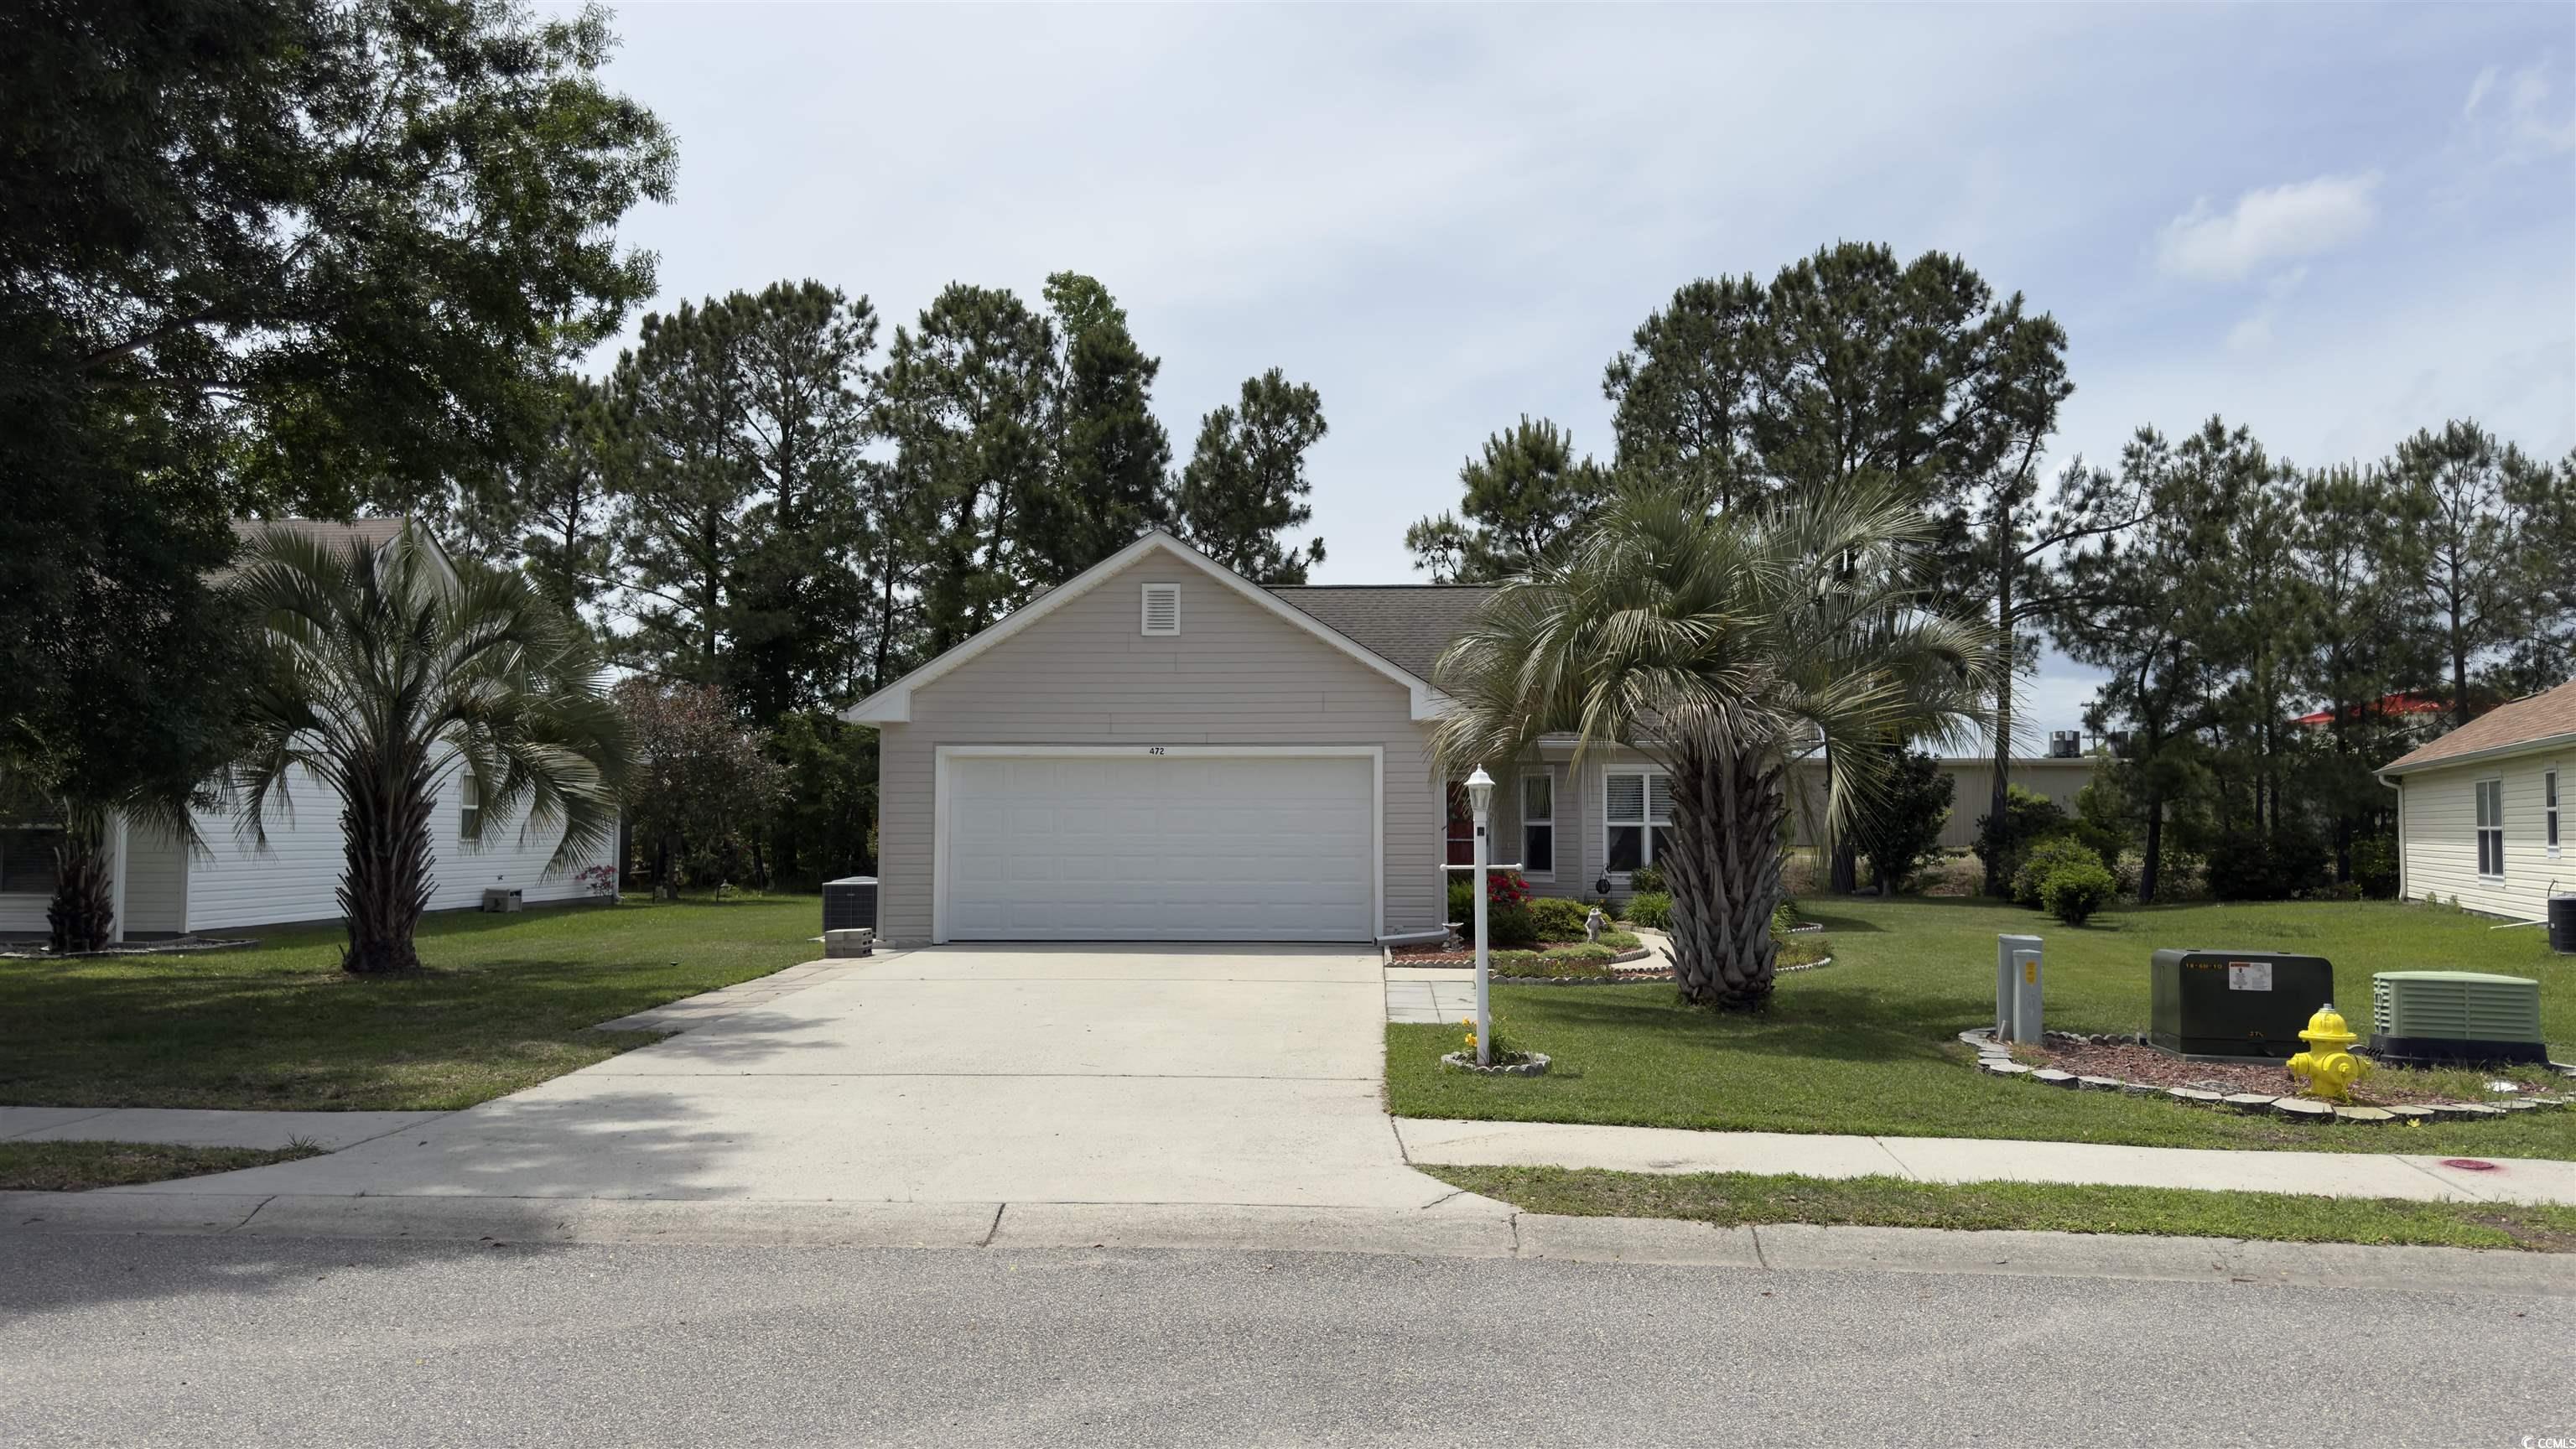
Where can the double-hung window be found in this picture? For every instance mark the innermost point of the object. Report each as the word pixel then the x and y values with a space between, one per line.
pixel 1636 817
pixel 2491 828
pixel 2549 808
pixel 469 808
pixel 1538 824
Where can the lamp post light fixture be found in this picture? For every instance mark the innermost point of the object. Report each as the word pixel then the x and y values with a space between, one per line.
pixel 1480 801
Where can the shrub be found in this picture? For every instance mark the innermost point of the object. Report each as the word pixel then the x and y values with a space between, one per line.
pixel 1904 829
pixel 1649 880
pixel 2075 890
pixel 2250 865
pixel 2374 866
pixel 2045 859
pixel 1462 902
pixel 1953 875
pixel 1557 919
pixel 1783 917
pixel 1652 909
pixel 1508 925
pixel 2002 844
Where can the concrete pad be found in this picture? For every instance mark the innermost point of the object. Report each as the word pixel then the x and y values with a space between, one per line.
pixel 1636 1240
pixel 329 1131
pixel 103 1212
pixel 1800 1247
pixel 19 1121
pixel 1242 1227
pixel 1641 1149
pixel 583 1220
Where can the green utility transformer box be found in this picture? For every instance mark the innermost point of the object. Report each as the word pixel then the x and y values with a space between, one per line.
pixel 2234 1005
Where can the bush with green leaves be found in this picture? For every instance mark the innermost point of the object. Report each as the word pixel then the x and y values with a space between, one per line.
pixel 1558 919
pixel 1903 829
pixel 2045 859
pixel 2374 866
pixel 1784 920
pixel 1652 909
pixel 2003 844
pixel 1649 880
pixel 1507 923
pixel 2075 890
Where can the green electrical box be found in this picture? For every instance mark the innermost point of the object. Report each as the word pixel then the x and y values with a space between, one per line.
pixel 2234 1005
pixel 2455 1016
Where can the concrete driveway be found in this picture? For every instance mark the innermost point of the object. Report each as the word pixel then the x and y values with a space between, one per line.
pixel 1098 1074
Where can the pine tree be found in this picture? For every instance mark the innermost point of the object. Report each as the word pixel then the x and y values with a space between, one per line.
pixel 1246 481
pixel 2354 556
pixel 1109 481
pixel 692 478
pixel 1684 394
pixel 1527 491
pixel 2465 558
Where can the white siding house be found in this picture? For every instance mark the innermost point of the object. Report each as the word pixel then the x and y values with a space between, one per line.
pixel 2484 814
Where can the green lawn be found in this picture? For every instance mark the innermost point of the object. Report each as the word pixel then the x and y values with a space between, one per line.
pixel 1731 1199
pixel 1869 1044
pixel 505 1002
pixel 80 1166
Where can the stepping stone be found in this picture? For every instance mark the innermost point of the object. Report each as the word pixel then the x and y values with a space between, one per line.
pixel 2191 1094
pixel 2411 1114
pixel 2300 1109
pixel 2464 1109
pixel 2053 1077
pixel 2004 1068
pixel 2141 1089
pixel 2098 1084
pixel 2518 1105
pixel 2247 1101
pixel 2364 1114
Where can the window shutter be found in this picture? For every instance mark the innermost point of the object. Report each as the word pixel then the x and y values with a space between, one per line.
pixel 1162 608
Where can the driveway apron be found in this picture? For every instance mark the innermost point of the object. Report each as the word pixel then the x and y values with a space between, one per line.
pixel 1091 1074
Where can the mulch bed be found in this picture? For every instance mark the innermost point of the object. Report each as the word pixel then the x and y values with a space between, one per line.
pixel 2133 1062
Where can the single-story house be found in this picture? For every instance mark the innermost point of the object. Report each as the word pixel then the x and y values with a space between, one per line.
pixel 2479 814
pixel 164 889
pixel 1159 748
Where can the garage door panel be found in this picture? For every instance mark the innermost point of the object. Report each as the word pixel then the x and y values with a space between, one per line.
pixel 1190 848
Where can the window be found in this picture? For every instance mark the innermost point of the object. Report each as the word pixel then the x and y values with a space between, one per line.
pixel 1162 608
pixel 2491 828
pixel 1637 817
pixel 469 808
pixel 1461 830
pixel 27 860
pixel 2549 808
pixel 1538 824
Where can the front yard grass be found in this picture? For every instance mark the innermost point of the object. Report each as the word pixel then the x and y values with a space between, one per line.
pixel 1869 1044
pixel 1731 1199
pixel 504 1002
pixel 80 1166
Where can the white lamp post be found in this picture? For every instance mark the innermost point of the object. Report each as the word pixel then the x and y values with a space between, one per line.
pixel 1480 800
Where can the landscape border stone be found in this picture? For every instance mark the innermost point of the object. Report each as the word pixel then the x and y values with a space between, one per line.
pixel 1995 1059
pixel 1531 1064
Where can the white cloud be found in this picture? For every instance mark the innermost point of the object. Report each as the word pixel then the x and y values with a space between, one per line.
pixel 2479 88
pixel 2275 223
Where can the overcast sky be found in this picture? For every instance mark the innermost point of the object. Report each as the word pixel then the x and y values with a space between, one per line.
pixel 2333 223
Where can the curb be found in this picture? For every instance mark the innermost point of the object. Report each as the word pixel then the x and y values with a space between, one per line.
pixel 1461 1225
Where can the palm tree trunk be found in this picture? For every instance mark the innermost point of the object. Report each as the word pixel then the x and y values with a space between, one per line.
pixel 82 914
pixel 386 884
pixel 1724 869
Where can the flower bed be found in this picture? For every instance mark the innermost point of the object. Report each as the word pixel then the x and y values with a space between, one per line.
pixel 2127 1064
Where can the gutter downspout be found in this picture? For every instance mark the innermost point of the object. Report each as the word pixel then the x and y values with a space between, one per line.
pixel 2400 787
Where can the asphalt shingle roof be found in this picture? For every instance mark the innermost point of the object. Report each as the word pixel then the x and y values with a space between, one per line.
pixel 2548 715
pixel 1407 625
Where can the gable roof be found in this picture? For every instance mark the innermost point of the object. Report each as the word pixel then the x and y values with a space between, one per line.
pixel 1407 623
pixel 2546 718
pixel 893 704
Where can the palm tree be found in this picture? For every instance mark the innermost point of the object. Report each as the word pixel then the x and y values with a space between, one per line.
pixel 1722 648
pixel 384 669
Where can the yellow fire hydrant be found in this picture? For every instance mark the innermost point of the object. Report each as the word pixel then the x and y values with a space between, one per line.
pixel 2325 1066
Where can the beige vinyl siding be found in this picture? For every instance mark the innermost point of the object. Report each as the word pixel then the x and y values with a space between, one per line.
pixel 1086 674
pixel 156 882
pixel 2439 845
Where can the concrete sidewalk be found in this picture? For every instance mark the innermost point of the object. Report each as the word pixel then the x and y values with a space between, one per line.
pixel 187 1127
pixel 1971 1159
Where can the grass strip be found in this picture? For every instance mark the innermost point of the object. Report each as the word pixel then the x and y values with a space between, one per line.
pixel 1731 1199
pixel 79 1166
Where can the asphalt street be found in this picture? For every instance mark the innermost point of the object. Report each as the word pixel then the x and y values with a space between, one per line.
pixel 109 1340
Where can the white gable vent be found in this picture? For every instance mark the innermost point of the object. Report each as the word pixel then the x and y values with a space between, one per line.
pixel 1162 608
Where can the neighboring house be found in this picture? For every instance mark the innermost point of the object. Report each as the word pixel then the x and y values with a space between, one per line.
pixel 2481 813
pixel 1160 749
pixel 165 889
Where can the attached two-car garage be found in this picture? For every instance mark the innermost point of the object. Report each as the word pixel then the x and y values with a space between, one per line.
pixel 1180 843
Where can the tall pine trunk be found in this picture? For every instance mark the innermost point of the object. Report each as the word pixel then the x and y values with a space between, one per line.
pixel 1724 870
pixel 386 884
